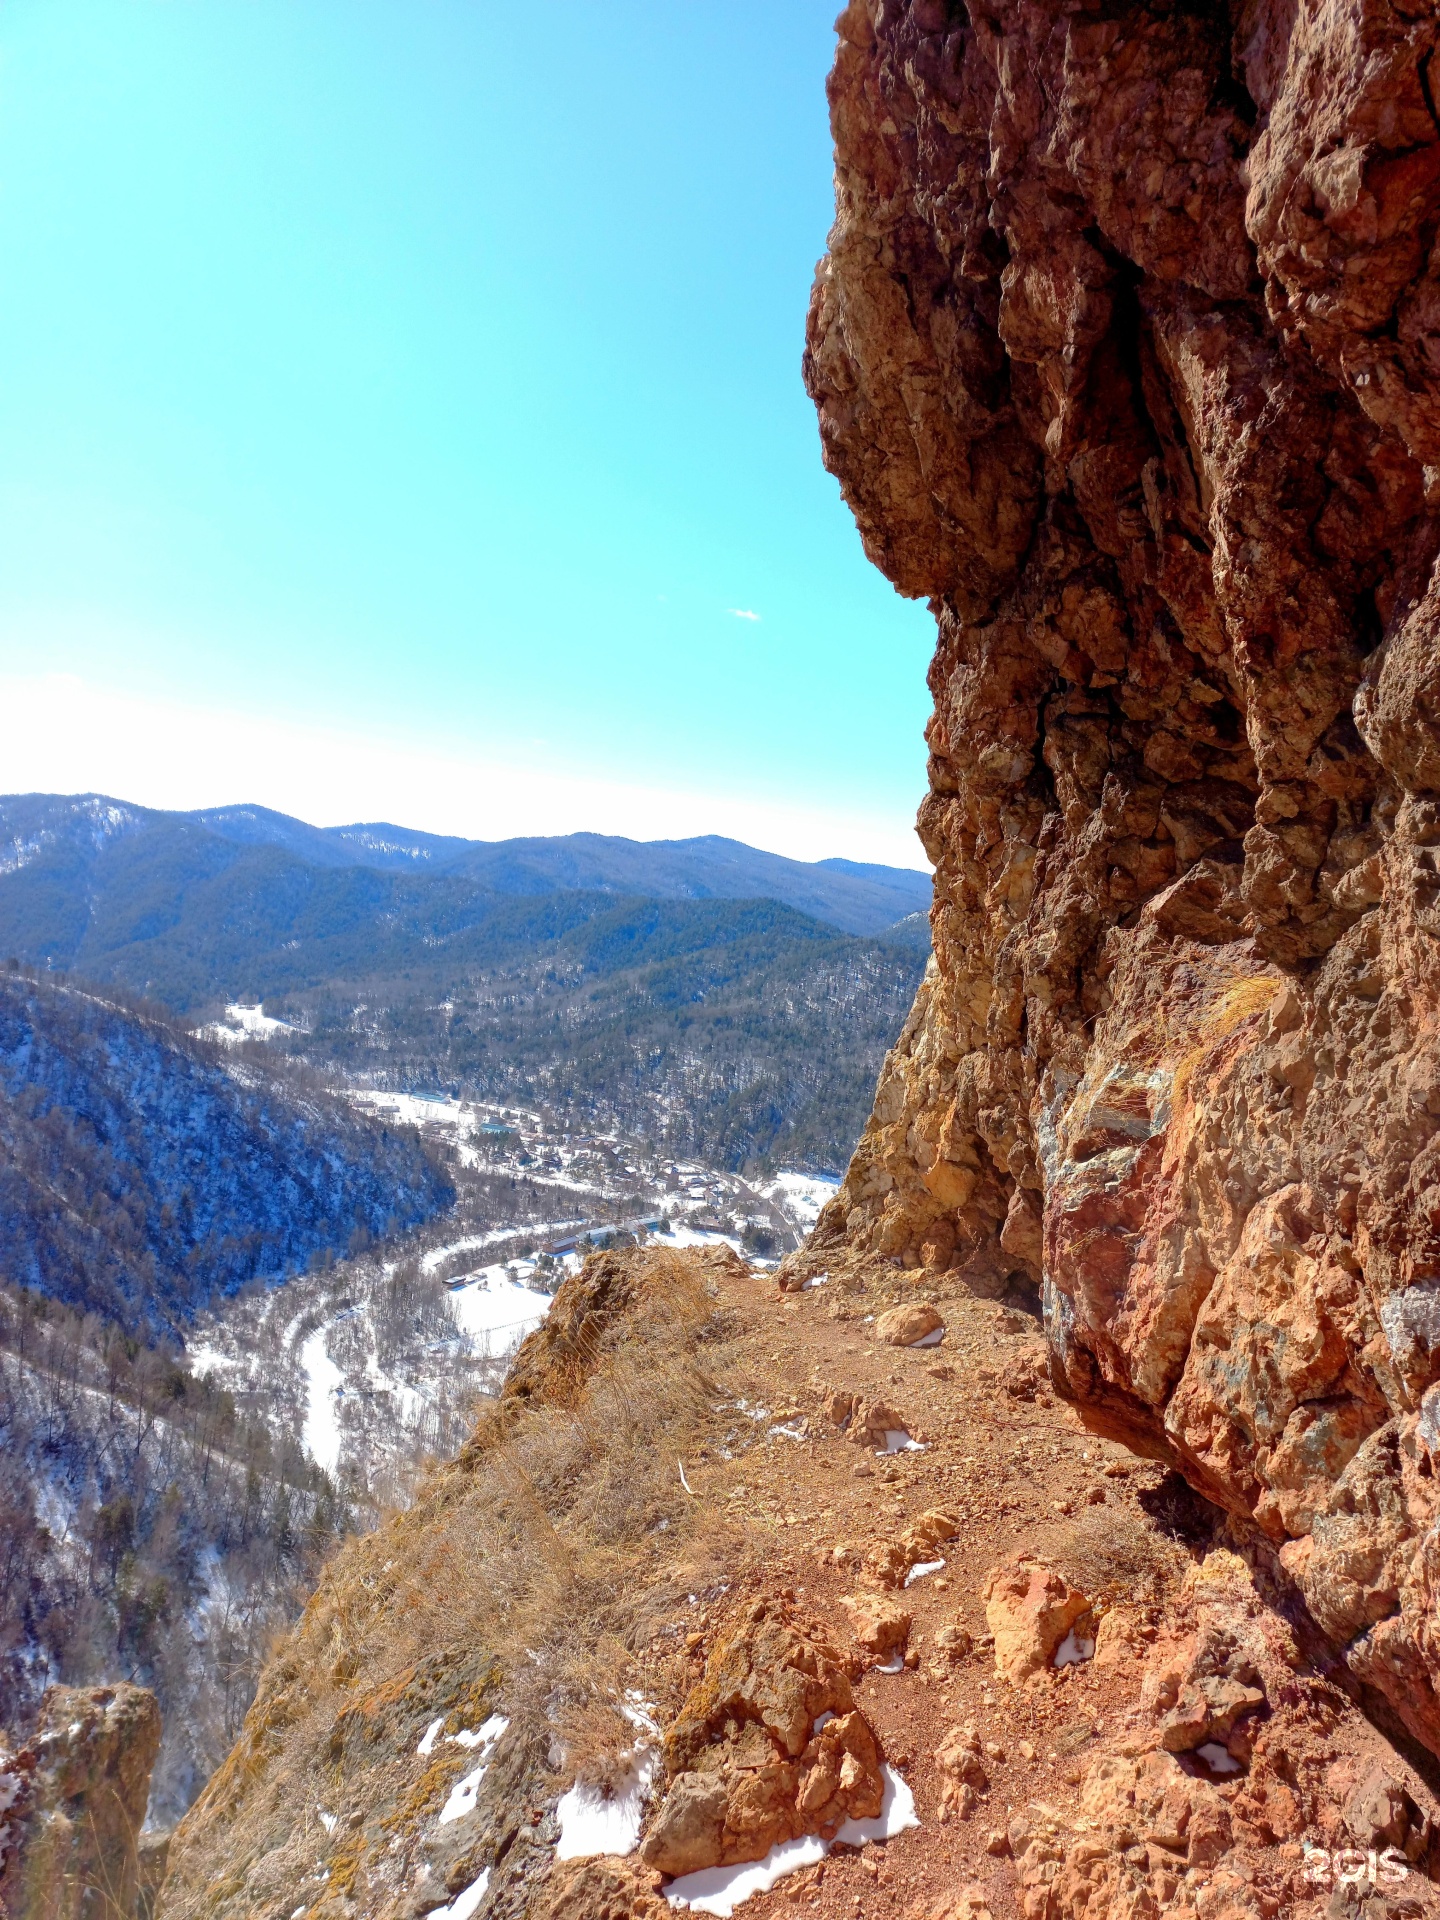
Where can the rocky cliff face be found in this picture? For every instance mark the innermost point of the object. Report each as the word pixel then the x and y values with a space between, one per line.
pixel 1127 355
pixel 72 1800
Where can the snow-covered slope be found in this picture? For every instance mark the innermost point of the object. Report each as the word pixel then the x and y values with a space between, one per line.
pixel 141 1173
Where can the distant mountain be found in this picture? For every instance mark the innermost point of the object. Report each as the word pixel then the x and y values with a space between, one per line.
pixel 71 833
pixel 700 1007
pixel 139 1173
pixel 387 848
pixel 853 898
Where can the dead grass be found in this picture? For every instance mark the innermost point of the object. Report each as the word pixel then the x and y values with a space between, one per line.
pixel 545 1550
pixel 1240 1000
pixel 1111 1556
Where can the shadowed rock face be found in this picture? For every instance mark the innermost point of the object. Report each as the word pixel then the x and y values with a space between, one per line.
pixel 1127 356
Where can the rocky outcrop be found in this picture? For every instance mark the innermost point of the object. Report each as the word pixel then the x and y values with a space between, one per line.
pixel 1127 355
pixel 72 1800
pixel 1030 1609
pixel 768 1747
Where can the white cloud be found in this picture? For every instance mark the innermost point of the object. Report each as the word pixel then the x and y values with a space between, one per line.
pixel 743 613
pixel 67 735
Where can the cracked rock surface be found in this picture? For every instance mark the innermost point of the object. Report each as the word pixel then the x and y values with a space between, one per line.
pixel 1126 352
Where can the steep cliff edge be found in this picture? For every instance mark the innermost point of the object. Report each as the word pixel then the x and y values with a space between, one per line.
pixel 1127 355
pixel 692 1615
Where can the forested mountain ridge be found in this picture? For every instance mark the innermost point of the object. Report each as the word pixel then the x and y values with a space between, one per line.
pixel 700 1008
pixel 141 1172
pixel 735 1032
pixel 67 861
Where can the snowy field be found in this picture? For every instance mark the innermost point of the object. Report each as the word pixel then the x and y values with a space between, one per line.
pixel 241 1024
pixel 801 1195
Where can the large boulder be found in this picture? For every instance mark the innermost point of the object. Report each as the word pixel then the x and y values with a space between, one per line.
pixel 908 1325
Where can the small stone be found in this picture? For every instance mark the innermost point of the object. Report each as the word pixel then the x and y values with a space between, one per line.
pixel 1025 1750
pixel 997 1841
pixel 1030 1609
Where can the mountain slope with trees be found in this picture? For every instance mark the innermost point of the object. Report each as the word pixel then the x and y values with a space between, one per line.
pixel 141 1173
pixel 692 992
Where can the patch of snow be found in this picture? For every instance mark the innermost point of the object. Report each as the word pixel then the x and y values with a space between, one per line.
pixel 241 1024
pixel 898 1441
pixel 640 1712
pixel 1219 1759
pixel 790 1433
pixel 1073 1651
pixel 485 1736
pixel 327 1820
pixel 816 1280
pixel 895 1664
pixel 427 1744
pixel 466 1903
pixel 324 1381
pixel 923 1568
pixel 492 1303
pixel 592 1822
pixel 897 1812
pixel 205 1360
pixel 931 1339
pixel 464 1792
pixel 462 1797
pixel 801 1195
pixel 721 1889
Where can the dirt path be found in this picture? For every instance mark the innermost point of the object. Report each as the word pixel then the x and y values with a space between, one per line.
pixel 1013 1471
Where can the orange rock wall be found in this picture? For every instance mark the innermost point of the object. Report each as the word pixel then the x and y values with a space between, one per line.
pixel 1126 353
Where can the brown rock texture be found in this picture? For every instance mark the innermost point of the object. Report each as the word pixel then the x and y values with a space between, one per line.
pixel 1127 355
pixel 769 1746
pixel 1029 1609
pixel 908 1325
pixel 72 1802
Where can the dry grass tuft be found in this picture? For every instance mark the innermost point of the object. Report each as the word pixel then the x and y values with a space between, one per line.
pixel 1111 1556
pixel 1240 1000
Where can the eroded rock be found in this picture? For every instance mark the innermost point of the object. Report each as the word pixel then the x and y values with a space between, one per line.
pixel 770 1745
pixel 1125 354
pixel 72 1802
pixel 1030 1610
pixel 908 1325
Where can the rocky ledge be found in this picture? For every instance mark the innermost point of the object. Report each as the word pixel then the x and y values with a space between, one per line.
pixel 72 1800
pixel 683 1629
pixel 1127 355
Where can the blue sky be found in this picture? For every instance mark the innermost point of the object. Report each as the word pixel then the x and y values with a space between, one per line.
pixel 400 408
